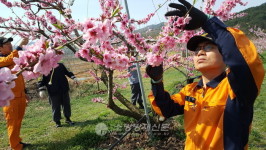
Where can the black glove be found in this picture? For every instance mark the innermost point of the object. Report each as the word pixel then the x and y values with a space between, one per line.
pixel 155 73
pixel 198 17
pixel 18 48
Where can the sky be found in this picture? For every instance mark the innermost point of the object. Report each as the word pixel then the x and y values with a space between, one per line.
pixel 138 9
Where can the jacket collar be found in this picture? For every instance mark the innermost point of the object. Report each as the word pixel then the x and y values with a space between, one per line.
pixel 213 83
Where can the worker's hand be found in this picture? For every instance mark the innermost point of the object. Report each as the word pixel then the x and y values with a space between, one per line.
pixel 76 81
pixel 198 18
pixel 155 73
pixel 24 41
pixel 162 118
pixel 27 99
pixel 42 94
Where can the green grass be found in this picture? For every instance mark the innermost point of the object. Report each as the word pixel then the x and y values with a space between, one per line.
pixel 257 140
pixel 39 129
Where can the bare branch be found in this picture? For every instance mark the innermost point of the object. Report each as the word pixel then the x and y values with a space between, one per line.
pixel 57 48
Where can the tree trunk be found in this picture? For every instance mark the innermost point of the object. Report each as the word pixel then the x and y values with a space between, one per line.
pixel 132 111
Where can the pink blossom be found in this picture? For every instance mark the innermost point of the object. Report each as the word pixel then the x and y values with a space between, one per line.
pixel 224 11
pixel 97 32
pixel 115 61
pixel 124 85
pixel 67 11
pixel 154 59
pixel 46 62
pixel 146 75
pixel 28 75
pixel 6 84
pixel 174 60
pixel 107 39
pixel 52 19
pixel 122 76
pixel 145 20
pixel 44 58
pixel 30 15
pixel 98 100
pixel 85 53
pixel 88 24
pixel 94 75
pixel 108 6
pixel 97 60
pixel 179 22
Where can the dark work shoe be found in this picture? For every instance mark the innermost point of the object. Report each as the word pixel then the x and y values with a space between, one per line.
pixel 58 124
pixel 25 144
pixel 68 121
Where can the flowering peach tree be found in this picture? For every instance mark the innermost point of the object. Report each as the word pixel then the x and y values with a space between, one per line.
pixel 108 41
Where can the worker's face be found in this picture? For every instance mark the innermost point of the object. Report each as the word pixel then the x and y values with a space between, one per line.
pixel 6 49
pixel 207 57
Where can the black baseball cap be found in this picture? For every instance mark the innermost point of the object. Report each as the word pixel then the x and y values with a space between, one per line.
pixel 4 40
pixel 193 42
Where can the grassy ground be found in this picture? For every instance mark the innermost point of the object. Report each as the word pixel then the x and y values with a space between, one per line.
pixel 258 132
pixel 39 130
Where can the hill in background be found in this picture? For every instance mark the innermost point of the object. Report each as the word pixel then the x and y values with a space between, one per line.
pixel 151 30
pixel 256 16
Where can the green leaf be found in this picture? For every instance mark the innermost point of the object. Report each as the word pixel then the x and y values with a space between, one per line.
pixel 115 11
pixel 61 12
pixel 46 44
pixel 58 26
pixel 194 2
pixel 59 47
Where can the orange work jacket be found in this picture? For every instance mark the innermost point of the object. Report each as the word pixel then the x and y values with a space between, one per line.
pixel 219 116
pixel 19 89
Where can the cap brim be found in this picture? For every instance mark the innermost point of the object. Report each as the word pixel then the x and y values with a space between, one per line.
pixel 8 40
pixel 194 42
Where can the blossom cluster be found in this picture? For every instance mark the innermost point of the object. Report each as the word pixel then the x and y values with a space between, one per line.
pixel 6 84
pixel 98 100
pixel 260 41
pixel 224 11
pixel 52 19
pixel 109 40
pixel 100 33
pixel 37 59
pixel 94 75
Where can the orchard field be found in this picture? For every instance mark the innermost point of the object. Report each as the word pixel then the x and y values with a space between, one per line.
pixel 101 49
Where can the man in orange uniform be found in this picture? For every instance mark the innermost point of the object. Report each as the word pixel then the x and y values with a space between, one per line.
pixel 14 113
pixel 218 109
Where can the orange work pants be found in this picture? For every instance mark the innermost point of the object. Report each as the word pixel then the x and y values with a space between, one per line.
pixel 14 114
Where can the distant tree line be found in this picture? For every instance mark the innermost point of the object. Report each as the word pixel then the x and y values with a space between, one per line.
pixel 256 16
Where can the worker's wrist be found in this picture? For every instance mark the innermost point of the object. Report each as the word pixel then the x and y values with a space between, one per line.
pixel 18 48
pixel 26 91
pixel 43 88
pixel 156 81
pixel 209 16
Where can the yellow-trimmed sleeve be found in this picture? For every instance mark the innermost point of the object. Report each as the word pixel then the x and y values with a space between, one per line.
pixel 154 105
pixel 176 98
pixel 250 54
